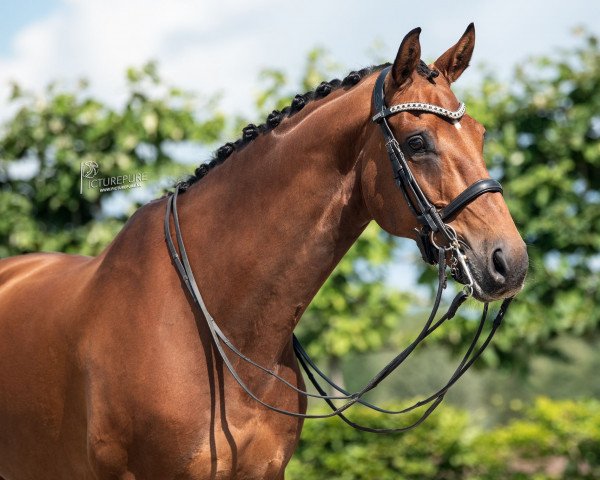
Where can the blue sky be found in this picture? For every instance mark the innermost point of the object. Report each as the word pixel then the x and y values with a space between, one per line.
pixel 15 15
pixel 220 46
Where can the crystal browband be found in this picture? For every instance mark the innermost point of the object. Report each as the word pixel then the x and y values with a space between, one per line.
pixel 423 107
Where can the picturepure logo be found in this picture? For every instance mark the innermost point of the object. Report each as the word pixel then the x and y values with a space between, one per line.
pixel 89 178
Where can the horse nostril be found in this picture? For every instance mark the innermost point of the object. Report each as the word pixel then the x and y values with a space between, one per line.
pixel 500 263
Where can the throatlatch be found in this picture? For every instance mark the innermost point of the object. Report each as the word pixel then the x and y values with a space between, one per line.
pixel 432 222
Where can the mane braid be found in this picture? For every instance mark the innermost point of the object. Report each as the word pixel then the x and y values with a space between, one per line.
pixel 251 131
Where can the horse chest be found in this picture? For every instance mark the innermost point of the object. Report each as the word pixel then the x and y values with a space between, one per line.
pixel 216 442
pixel 189 421
pixel 257 452
pixel 244 440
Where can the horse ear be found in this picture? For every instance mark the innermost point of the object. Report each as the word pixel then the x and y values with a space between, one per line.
pixel 409 55
pixel 456 59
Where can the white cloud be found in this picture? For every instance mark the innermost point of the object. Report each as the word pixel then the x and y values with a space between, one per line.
pixel 99 39
pixel 212 46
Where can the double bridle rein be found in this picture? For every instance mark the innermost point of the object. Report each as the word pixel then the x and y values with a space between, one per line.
pixel 433 222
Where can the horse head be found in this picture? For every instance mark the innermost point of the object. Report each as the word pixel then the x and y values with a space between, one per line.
pixel 442 151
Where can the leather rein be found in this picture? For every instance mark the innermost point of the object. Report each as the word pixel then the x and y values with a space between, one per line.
pixel 432 221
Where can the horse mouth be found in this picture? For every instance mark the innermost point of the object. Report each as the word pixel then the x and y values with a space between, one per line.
pixel 479 284
pixel 461 276
pixel 477 292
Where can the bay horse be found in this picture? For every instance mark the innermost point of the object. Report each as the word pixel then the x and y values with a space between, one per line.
pixel 107 370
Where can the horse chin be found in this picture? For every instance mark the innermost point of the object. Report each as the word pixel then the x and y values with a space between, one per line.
pixel 479 292
pixel 483 295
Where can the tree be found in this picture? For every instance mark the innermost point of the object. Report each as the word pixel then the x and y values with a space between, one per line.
pixel 543 131
pixel 553 439
pixel 42 208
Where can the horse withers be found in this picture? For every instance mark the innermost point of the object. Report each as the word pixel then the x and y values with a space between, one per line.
pixel 107 368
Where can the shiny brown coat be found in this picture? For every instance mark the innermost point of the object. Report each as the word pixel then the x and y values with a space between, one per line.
pixel 106 368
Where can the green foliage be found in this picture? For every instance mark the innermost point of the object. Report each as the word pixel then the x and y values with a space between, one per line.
pixel 554 439
pixel 542 144
pixel 43 209
pixel 278 90
pixel 543 131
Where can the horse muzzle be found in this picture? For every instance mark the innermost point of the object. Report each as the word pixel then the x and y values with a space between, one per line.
pixel 498 270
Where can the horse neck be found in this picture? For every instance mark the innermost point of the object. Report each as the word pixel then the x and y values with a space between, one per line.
pixel 265 229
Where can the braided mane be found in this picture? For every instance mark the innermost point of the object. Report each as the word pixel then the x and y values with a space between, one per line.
pixel 251 131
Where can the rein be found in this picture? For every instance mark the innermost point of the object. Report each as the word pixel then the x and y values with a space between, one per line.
pixel 432 221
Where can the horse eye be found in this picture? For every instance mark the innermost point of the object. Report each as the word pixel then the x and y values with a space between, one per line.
pixel 416 143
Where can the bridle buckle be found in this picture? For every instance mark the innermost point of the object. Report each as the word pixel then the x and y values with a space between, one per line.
pixel 458 262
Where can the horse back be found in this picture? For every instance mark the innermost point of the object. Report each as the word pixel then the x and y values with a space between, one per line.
pixel 30 284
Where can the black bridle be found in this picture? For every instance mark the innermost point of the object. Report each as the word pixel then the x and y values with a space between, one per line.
pixel 432 221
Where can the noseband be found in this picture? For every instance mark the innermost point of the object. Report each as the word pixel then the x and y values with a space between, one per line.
pixel 432 221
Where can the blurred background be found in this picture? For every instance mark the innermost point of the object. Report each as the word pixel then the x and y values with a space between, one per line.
pixel 157 85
